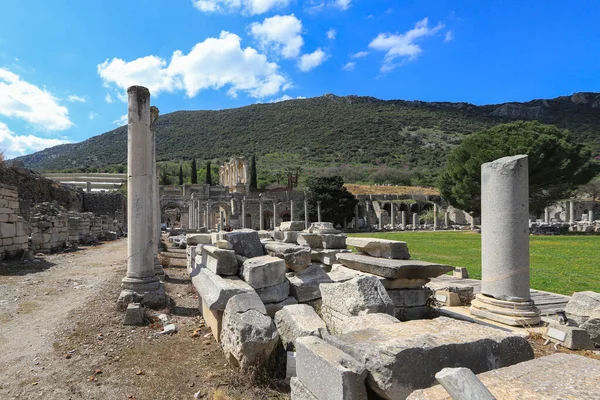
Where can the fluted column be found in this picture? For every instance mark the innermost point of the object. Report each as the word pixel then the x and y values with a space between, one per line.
pixel 306 219
pixel 319 211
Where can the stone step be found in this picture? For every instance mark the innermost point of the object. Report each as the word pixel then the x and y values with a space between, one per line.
pixel 393 269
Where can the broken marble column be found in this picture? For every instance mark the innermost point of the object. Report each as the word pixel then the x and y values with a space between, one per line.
pixel 291 210
pixel 435 217
pixel 546 215
pixel 319 211
pixel 571 212
pixel 403 222
pixel 505 293
pixel 244 213
pixel 88 187
pixel 306 221
pixel 415 221
pixel 140 284
pixel 380 218
pixel 591 216
pixel 356 216
pixel 274 214
pixel 208 219
pixel 158 268
pixel 367 218
pixel 393 216
pixel 260 215
pixel 447 219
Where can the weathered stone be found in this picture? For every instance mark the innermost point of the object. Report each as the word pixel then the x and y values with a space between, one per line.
pixel 327 372
pixel 327 256
pixel 190 254
pixel 361 322
pixel 304 285
pixel 198 238
pixel 299 391
pixel 322 227
pixel 248 336
pixel 322 241
pixel 393 269
pixel 413 313
pixel 7 230
pixel 410 297
pixel 291 226
pixel 245 242
pixel 571 337
pixel 358 296
pixel 296 257
pixel 286 236
pixel 296 321
pixel 380 247
pixel 263 271
pixel 558 376
pixel 592 326
pixel 216 290
pixel 406 356
pixel 584 304
pixel 341 273
pixel 219 261
pixel 223 244
pixel 272 308
pixel 214 320
pixel 464 292
pixel 275 293
pixel 134 315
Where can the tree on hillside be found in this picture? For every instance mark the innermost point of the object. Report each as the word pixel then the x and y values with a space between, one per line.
pixel 592 188
pixel 194 172
pixel 180 175
pixel 337 203
pixel 208 174
pixel 556 164
pixel 164 176
pixel 253 175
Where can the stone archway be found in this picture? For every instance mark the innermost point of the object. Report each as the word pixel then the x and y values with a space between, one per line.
pixel 216 210
pixel 285 216
pixel 170 214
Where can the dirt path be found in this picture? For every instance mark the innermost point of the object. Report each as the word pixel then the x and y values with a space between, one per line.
pixel 61 336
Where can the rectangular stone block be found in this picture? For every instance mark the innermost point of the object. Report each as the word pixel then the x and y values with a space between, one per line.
pixel 572 337
pixel 275 293
pixel 299 391
pixel 322 241
pixel 219 261
pixel 3 217
pixel 7 230
pixel 245 242
pixel 272 308
pixel 214 320
pixel 327 372
pixel 341 273
pixel 216 290
pixel 291 226
pixel 263 271
pixel 296 257
pixel 198 238
pixel 393 269
pixel 304 285
pixel 7 241
pixel 464 292
pixel 380 247
pixel 296 321
pixel 410 297
pixel 20 239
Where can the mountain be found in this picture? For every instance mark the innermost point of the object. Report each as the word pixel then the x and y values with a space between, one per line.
pixel 329 130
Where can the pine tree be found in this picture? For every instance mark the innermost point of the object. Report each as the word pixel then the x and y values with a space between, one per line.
pixel 194 172
pixel 208 174
pixel 164 176
pixel 253 179
pixel 180 175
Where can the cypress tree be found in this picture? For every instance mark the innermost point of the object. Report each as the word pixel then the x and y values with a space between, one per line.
pixel 208 175
pixel 180 175
pixel 194 172
pixel 253 179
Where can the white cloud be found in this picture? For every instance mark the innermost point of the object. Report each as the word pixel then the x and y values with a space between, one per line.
pixel 20 99
pixel 331 34
pixel 108 98
pixel 212 64
pixel 403 45
pixel 246 7
pixel 76 99
pixel 92 115
pixel 360 54
pixel 449 36
pixel 312 60
pixel 349 66
pixel 284 98
pixel 342 4
pixel 15 145
pixel 281 33
pixel 315 6
pixel 121 121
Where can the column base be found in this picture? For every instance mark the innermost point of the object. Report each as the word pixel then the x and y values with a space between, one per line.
pixel 513 313
pixel 149 292
pixel 158 269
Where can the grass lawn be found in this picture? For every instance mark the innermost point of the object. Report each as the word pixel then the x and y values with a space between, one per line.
pixel 559 264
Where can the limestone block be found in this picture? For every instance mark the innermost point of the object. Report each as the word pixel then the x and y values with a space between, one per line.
pixel 304 285
pixel 248 336
pixel 327 372
pixel 558 376
pixel 464 292
pixel 393 269
pixel 584 304
pixel 361 322
pixel 592 326
pixel 20 229
pixel 20 240
pixel 291 226
pixel 275 293
pixel 572 337
pixel 3 217
pixel 7 230
pixel 410 297
pixel 6 210
pixel 322 227
pixel 190 253
pixel 296 257
pixel 286 236
pixel 245 242
pixel 263 271
pixel 134 315
pixel 297 320
pixel 322 241
pixel 198 238
pixel 223 244
pixel 272 308
pixel 216 290
pixel 406 356
pixel 380 247
pixel 219 261
pixel 299 391
pixel 214 320
pixel 327 256
pixel 341 273
pixel 7 241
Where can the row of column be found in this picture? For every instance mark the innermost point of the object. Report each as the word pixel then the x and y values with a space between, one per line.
pixel 402 217
pixel 572 220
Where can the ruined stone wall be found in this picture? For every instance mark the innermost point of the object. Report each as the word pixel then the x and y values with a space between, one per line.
pixel 13 229
pixel 109 206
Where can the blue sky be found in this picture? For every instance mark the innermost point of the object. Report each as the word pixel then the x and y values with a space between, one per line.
pixel 65 64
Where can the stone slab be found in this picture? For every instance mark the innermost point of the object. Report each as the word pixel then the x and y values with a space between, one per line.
pixel 380 247
pixel 410 297
pixel 299 391
pixel 393 269
pixel 322 241
pixel 326 256
pixel 219 261
pixel 341 273
pixel 286 236
pixel 360 322
pixel 216 290
pixel 584 304
pixel 304 285
pixel 463 291
pixel 322 227
pixel 198 238
pixel 558 376
pixel 296 321
pixel 245 242
pixel 406 356
pixel 214 320
pixel 296 257
pixel 263 271
pixel 275 293
pixel 291 226
pixel 272 308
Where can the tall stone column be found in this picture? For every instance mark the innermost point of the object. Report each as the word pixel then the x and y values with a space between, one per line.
pixel 447 219
pixel 356 216
pixel 367 217
pixel 415 223
pixel 190 215
pixel 291 210
pixel 571 212
pixel 274 214
pixel 208 210
pixel 435 217
pixel 505 295
pixel 306 219
pixel 546 215
pixel 158 268
pixel 403 220
pixel 380 218
pixel 591 216
pixel 198 215
pixel 393 212
pixel 88 187
pixel 140 283
pixel 260 214
pixel 244 213
pixel 319 211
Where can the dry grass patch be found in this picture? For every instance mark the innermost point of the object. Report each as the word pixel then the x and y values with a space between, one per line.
pixel 357 189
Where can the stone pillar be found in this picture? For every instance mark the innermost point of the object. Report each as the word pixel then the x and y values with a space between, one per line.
pixel 199 215
pixel 244 213
pixel 435 217
pixel 403 220
pixel 356 216
pixel 415 221
pixel 208 221
pixel 141 283
pixel 306 219
pixel 291 210
pixel 88 187
pixel 571 212
pixel 546 215
pixel 221 220
pixel 261 218
pixel 447 219
pixel 274 214
pixel 505 293
pixel 190 215
pixel 472 223
pixel 393 215
pixel 158 269
pixel 590 216
pixel 367 217
pixel 380 222
pixel 319 211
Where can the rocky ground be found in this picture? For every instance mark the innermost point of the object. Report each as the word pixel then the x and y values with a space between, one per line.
pixel 61 336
